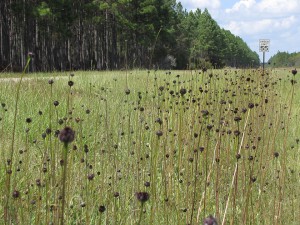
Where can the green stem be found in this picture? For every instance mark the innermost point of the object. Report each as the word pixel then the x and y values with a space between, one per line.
pixel 65 158
pixel 9 172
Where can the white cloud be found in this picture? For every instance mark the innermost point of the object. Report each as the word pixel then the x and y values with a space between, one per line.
pixel 243 4
pixel 279 6
pixel 201 4
pixel 255 27
pixel 263 8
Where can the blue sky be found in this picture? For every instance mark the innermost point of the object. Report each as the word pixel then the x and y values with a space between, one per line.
pixel 277 20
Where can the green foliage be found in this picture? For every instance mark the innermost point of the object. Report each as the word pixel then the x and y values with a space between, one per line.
pixel 285 59
pixel 130 33
pixel 43 9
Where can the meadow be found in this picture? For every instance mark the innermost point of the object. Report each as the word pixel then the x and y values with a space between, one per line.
pixel 150 147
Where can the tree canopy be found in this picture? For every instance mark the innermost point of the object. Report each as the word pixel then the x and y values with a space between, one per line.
pixel 285 59
pixel 115 34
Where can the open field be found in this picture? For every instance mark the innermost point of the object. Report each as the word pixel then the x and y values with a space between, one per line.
pixel 220 142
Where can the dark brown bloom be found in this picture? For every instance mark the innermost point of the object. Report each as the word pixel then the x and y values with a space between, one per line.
pixel 250 105
pixel 210 220
pixel 66 135
pixel 142 196
pixel 16 194
pixel 70 83
pixel 182 91
pixel 159 133
pixel 102 208
pixel 56 103
pixel 127 91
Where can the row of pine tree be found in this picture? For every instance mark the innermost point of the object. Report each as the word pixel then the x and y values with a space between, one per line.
pixel 115 34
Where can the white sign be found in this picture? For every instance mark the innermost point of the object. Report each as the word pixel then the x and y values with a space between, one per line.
pixel 264 45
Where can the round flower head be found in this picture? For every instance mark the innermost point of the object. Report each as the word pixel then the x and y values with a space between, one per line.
pixel 210 220
pixel 142 196
pixel 66 135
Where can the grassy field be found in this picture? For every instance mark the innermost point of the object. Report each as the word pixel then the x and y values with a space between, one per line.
pixel 151 147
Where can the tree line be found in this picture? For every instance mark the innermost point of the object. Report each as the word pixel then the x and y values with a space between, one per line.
pixel 115 34
pixel 285 59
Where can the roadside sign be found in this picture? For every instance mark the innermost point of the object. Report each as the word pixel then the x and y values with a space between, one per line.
pixel 264 45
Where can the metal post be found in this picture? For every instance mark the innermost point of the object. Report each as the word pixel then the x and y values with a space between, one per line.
pixel 263 63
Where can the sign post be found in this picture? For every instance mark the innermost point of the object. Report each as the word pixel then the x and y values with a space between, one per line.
pixel 264 45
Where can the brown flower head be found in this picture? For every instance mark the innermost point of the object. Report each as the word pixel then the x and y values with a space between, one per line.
pixel 210 220
pixel 66 135
pixel 142 196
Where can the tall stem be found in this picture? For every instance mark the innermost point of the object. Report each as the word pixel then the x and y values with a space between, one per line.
pixel 9 171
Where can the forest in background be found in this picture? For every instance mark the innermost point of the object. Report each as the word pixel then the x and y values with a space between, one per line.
pixel 285 59
pixel 115 34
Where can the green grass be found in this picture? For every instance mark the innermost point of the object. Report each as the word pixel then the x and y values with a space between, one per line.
pixel 216 155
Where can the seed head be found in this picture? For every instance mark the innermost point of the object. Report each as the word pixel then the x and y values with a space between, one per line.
pixel 182 91
pixel 66 135
pixel 142 196
pixel 127 91
pixel 91 176
pixel 210 220
pixel 56 103
pixel 159 133
pixel 70 83
pixel 294 72
pixel 16 194
pixel 102 208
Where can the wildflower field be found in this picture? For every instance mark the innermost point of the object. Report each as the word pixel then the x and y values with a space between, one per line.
pixel 150 147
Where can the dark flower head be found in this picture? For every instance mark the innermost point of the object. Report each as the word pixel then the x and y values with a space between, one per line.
pixel 210 220
pixel 16 194
pixel 91 176
pixel 182 91
pixel 159 133
pixel 294 72
pixel 66 135
pixel 127 91
pixel 250 105
pixel 70 83
pixel 51 81
pixel 56 103
pixel 237 118
pixel 204 113
pixel 28 120
pixel 102 208
pixel 142 196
